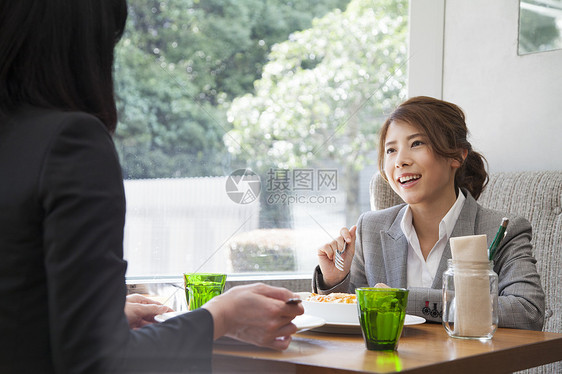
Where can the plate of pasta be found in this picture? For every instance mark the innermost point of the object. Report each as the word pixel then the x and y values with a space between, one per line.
pixel 334 308
pixel 339 310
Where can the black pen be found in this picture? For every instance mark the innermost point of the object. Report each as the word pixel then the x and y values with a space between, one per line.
pixel 497 239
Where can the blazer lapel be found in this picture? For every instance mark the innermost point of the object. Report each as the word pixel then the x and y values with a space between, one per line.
pixel 395 252
pixel 463 227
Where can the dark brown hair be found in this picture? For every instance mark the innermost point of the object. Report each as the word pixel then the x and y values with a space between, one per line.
pixel 444 125
pixel 59 54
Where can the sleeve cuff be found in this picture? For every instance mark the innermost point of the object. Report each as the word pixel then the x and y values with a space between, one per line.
pixel 319 287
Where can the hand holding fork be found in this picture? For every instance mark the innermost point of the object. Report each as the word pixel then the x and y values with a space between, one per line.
pixel 335 257
pixel 339 261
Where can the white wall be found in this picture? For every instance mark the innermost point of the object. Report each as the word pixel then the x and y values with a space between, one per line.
pixel 513 103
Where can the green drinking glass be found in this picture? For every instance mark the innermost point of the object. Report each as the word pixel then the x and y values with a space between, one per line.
pixel 202 287
pixel 381 313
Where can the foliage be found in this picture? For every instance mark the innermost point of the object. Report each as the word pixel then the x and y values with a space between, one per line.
pixel 263 251
pixel 253 258
pixel 179 65
pixel 325 91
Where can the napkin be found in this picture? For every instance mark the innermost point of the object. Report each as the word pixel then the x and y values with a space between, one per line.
pixel 473 305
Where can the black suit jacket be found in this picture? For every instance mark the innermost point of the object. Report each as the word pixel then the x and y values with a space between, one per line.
pixel 62 273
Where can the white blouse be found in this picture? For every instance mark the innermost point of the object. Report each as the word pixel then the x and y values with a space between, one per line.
pixel 421 272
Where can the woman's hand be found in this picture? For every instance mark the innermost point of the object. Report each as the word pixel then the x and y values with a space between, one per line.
pixel 327 253
pixel 256 314
pixel 381 285
pixel 140 310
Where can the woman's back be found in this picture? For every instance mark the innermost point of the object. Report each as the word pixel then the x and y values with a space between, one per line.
pixel 50 167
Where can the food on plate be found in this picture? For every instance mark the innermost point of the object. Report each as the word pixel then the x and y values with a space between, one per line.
pixel 335 298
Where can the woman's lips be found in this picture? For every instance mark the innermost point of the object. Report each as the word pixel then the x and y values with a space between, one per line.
pixel 407 181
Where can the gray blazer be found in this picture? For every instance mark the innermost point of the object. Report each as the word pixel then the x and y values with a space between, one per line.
pixel 381 252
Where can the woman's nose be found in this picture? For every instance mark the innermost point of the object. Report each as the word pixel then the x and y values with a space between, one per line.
pixel 402 159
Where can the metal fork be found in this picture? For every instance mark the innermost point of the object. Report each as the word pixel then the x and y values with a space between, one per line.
pixel 338 259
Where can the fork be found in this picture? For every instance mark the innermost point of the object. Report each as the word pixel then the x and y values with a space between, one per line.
pixel 338 259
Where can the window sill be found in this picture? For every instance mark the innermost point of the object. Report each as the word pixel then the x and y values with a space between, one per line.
pixel 165 288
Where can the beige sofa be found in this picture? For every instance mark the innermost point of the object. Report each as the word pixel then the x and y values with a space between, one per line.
pixel 536 196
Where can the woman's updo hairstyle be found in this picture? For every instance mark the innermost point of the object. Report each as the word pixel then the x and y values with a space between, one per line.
pixel 444 125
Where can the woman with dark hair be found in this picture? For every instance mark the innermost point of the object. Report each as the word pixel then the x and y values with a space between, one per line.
pixel 426 158
pixel 62 209
pixel 59 54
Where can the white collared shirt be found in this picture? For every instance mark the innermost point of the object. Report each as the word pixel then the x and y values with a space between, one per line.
pixel 421 272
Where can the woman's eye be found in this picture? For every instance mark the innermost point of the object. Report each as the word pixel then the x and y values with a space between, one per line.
pixel 416 143
pixel 389 151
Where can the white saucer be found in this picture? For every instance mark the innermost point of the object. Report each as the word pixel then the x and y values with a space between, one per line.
pixel 306 322
pixel 166 316
pixel 355 328
pixel 413 320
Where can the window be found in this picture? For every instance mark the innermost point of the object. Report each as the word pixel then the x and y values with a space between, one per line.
pixel 247 129
pixel 540 25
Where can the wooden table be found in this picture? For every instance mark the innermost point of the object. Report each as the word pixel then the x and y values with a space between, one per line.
pixel 423 348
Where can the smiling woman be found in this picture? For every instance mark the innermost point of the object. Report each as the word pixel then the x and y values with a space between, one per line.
pixel 445 132
pixel 426 158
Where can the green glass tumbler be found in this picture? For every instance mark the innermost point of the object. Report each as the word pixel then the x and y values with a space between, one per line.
pixel 202 287
pixel 381 312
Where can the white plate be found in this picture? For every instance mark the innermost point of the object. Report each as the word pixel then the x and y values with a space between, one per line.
pixel 166 316
pixel 342 316
pixel 303 322
pixel 413 320
pixel 340 328
pixel 355 328
pixel 306 322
